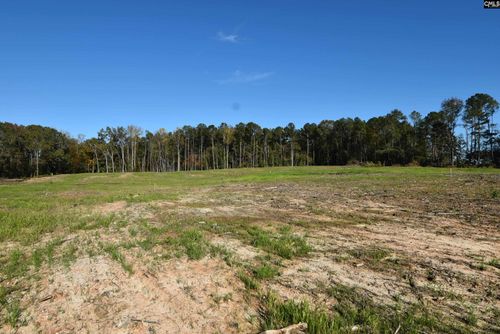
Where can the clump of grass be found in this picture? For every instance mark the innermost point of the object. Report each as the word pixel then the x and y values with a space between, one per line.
pixel 16 266
pixel 3 295
pixel 13 310
pixel 132 231
pixel 249 282
pixel 495 194
pixel 26 225
pixel 470 317
pixel 494 263
pixel 352 309
pixel 265 271
pixel 10 307
pixel 194 244
pixel 370 254
pixel 495 314
pixel 69 255
pixel 222 298
pixel 225 254
pixel 116 255
pixel 431 275
pixel 438 291
pixel 147 244
pixel 478 266
pixel 283 244
pixel 93 222
pixel 278 314
pixel 46 253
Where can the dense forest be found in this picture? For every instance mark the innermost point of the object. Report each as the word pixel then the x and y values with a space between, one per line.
pixel 386 140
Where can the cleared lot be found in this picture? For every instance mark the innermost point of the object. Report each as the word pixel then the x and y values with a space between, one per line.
pixel 344 249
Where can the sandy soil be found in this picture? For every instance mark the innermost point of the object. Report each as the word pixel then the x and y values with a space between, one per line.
pixel 96 296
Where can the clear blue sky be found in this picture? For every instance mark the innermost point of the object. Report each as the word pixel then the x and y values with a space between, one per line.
pixel 82 65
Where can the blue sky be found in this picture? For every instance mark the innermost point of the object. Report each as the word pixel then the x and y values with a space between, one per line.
pixel 82 65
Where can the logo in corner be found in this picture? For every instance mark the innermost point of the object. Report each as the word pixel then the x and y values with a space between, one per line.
pixel 491 4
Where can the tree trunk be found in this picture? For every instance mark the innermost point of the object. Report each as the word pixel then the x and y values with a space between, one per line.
pixel 37 157
pixel 106 158
pixel 213 153
pixel 178 155
pixel 307 157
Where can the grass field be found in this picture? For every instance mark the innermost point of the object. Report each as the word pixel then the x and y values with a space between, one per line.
pixel 345 249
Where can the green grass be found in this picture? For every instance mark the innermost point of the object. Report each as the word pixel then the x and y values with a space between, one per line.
pixel 13 313
pixel 45 253
pixel 69 255
pixel 28 210
pixel 265 271
pixel 194 244
pixel 17 264
pixel 116 255
pixel 3 295
pixel 470 317
pixel 372 254
pixel 283 244
pixel 249 281
pixel 10 310
pixel 278 314
pixel 352 310
pixel 494 263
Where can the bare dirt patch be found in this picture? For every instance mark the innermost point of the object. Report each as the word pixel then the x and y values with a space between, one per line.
pixel 95 295
pixel 113 207
pixel 42 179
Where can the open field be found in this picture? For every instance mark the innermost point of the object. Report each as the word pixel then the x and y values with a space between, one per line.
pixel 345 249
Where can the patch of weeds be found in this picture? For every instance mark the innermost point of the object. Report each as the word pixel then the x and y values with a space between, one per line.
pixel 27 226
pixel 132 231
pixel 265 271
pixel 495 194
pixel 115 254
pixel 495 314
pixel 378 258
pixel 91 252
pixel 37 258
pixel 46 253
pixel 94 222
pixel 284 244
pixel 278 314
pixel 369 254
pixel 224 253
pixel 3 295
pixel 494 263
pixel 285 229
pixel 431 275
pixel 222 298
pixel 13 313
pixel 129 244
pixel 481 266
pixel 16 266
pixel 437 291
pixel 194 244
pixel 470 317
pixel 250 283
pixel 352 310
pixel 146 244
pixel 121 223
pixel 69 255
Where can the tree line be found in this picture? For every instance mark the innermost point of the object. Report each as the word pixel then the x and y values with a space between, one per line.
pixel 386 140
